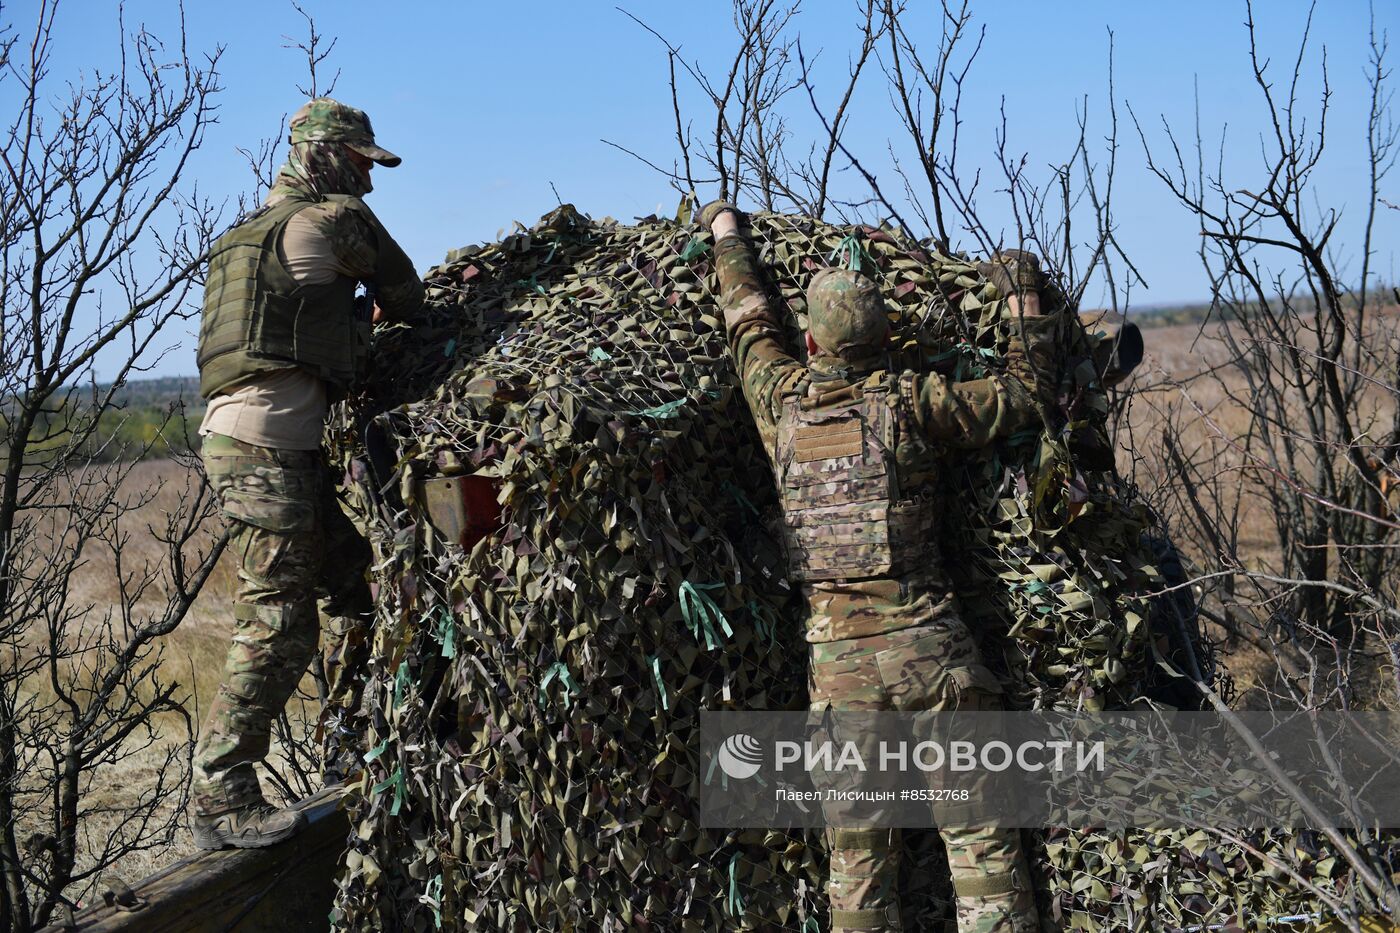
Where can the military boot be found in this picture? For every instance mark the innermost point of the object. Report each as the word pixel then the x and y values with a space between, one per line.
pixel 250 827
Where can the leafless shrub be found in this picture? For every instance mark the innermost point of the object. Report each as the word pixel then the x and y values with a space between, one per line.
pixel 1298 418
pixel 1297 422
pixel 100 246
pixel 753 155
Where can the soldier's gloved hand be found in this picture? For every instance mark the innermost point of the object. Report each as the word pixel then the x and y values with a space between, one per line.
pixel 1014 272
pixel 710 211
pixel 720 217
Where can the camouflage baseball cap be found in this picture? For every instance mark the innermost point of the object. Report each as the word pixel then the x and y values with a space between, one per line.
pixel 845 312
pixel 327 120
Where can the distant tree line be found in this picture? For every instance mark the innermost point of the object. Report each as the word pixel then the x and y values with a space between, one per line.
pixel 148 419
pixel 1213 312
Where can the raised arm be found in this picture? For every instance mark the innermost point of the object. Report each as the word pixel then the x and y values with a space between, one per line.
pixel 767 370
pixel 975 413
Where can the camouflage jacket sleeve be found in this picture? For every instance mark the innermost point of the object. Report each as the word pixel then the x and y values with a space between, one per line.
pixel 767 370
pixel 977 412
pixel 367 252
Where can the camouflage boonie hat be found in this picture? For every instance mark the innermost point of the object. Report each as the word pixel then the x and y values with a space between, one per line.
pixel 845 312
pixel 327 120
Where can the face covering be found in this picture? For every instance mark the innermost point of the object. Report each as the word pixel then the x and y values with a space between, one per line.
pixel 320 168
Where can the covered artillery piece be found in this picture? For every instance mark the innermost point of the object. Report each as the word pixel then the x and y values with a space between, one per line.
pixel 535 683
pixel 535 686
pixel 575 553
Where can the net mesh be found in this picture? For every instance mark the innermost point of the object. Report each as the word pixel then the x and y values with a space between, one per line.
pixel 531 711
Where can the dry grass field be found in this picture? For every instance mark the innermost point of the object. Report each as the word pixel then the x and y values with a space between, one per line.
pixel 1187 387
pixel 192 655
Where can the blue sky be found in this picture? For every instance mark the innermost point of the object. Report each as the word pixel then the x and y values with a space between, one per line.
pixel 491 103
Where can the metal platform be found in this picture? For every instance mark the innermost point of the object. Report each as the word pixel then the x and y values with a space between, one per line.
pixel 286 887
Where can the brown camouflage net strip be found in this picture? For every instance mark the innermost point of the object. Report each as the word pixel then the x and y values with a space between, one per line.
pixel 533 700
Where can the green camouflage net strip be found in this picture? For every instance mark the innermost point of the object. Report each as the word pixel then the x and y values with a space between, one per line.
pixel 532 707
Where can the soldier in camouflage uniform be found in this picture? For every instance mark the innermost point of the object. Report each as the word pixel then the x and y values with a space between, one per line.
pixel 279 340
pixel 854 446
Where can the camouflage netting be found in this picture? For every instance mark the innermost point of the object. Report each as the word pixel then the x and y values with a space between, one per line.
pixel 533 698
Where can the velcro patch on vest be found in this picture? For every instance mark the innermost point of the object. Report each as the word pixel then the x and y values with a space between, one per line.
pixel 828 441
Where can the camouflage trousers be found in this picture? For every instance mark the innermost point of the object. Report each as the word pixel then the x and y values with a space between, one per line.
pixel 936 668
pixel 293 544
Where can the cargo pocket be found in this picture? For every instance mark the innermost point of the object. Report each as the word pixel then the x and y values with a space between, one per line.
pixel 265 529
pixel 975 687
pixel 917 668
pixel 268 512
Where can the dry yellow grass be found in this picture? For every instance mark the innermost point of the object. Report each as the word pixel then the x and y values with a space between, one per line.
pixel 1188 385
pixel 192 655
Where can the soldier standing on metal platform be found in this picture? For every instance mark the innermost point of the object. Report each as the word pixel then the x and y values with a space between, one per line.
pixel 279 340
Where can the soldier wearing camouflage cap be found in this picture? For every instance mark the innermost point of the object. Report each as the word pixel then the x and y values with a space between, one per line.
pixel 281 338
pixel 854 445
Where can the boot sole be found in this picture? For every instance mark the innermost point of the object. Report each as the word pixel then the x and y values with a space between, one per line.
pixel 212 840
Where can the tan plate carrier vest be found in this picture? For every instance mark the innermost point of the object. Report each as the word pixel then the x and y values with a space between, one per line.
pixel 844 513
pixel 258 319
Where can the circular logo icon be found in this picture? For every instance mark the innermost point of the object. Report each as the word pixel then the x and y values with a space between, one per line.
pixel 740 756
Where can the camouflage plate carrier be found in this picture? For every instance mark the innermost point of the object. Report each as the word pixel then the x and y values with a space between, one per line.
pixel 847 517
pixel 258 319
pixel 844 513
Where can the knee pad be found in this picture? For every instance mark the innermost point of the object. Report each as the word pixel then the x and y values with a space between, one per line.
pixel 986 885
pixel 875 840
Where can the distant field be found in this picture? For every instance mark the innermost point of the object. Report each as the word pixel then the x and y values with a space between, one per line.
pixel 1193 313
pixel 1185 368
pixel 97 583
pixel 149 419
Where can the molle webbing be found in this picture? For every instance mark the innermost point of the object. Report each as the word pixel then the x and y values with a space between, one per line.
pixel 842 509
pixel 818 442
pixel 258 319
